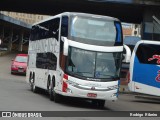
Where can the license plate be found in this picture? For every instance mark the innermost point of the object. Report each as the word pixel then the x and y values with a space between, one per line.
pixel 20 70
pixel 93 95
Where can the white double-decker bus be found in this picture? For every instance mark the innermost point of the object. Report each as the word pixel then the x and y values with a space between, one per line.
pixel 77 55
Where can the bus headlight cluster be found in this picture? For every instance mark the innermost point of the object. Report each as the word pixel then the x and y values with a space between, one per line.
pixel 113 87
pixel 69 90
pixel 114 95
pixel 72 83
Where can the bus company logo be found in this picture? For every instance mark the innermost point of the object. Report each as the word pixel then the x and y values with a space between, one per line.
pixel 158 76
pixel 155 57
pixel 93 88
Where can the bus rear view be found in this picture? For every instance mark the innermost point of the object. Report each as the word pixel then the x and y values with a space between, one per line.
pixel 145 68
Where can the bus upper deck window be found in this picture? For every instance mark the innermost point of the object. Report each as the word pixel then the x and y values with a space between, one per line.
pixel 119 32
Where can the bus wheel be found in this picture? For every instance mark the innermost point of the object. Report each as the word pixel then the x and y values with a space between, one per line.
pixel 50 89
pixel 32 84
pixel 53 95
pixel 57 97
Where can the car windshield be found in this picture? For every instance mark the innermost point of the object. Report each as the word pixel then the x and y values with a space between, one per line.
pixel 89 64
pixel 21 59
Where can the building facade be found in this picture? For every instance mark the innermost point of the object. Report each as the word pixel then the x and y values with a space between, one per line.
pixel 27 18
pixel 131 30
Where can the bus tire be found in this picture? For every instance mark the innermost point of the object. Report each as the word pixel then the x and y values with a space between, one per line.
pixel 53 95
pixel 31 81
pixel 35 89
pixel 57 97
pixel 32 84
pixel 50 89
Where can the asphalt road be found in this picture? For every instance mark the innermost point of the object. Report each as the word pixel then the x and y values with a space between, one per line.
pixel 15 95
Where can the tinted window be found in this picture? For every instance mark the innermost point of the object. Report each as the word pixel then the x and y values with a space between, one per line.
pixel 64 33
pixel 51 61
pixel 95 31
pixel 64 26
pixel 148 53
pixel 45 30
pixel 46 61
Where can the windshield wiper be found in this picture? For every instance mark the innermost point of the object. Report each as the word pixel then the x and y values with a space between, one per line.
pixel 84 72
pixel 111 76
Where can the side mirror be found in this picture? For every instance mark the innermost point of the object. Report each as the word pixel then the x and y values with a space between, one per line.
pixel 127 56
pixel 65 46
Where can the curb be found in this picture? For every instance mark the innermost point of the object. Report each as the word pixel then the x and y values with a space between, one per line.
pixel 4 53
pixel 148 97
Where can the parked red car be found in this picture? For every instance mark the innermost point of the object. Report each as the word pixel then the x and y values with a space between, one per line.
pixel 19 64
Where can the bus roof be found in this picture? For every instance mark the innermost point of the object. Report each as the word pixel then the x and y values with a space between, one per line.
pixel 78 14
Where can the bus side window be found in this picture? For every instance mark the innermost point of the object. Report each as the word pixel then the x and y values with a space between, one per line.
pixel 34 33
pixel 52 61
pixel 64 33
pixel 54 28
pixel 64 26
pixel 62 57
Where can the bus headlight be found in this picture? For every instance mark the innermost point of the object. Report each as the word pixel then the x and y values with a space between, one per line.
pixel 72 83
pixel 113 87
pixel 69 90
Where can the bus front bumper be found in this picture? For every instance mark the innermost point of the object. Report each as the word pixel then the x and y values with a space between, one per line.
pixel 89 94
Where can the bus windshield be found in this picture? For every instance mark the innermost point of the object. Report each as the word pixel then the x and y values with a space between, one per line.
pixel 89 64
pixel 95 31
